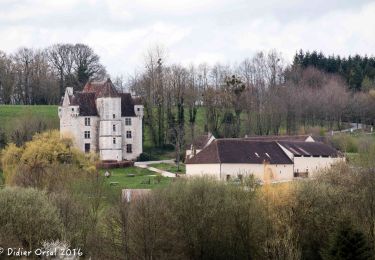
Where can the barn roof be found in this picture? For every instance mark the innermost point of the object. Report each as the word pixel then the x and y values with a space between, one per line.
pixel 200 142
pixel 316 149
pixel 241 151
pixel 279 138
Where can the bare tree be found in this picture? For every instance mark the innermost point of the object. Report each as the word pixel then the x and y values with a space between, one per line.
pixel 86 65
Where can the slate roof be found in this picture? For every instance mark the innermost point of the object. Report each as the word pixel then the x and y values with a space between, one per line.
pixel 86 103
pixel 127 105
pixel 101 89
pixel 278 138
pixel 316 149
pixel 199 142
pixel 241 151
pixel 93 90
pixel 137 101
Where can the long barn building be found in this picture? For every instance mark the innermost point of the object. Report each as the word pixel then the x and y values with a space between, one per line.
pixel 267 158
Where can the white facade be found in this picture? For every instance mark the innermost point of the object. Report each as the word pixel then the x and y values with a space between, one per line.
pixel 310 165
pixel 263 172
pixel 113 136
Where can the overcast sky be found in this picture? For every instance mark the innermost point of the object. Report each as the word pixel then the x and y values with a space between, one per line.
pixel 192 31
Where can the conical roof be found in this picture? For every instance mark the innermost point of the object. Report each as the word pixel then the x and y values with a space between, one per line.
pixel 101 89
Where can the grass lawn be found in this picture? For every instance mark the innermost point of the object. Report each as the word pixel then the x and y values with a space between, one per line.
pixel 169 167
pixel 143 179
pixel 9 114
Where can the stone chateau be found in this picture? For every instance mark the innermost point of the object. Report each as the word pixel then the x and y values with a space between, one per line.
pixel 100 119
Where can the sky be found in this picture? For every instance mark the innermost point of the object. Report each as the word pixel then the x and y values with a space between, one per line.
pixel 190 31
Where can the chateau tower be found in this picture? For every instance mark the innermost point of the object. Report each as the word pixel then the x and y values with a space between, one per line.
pixel 103 120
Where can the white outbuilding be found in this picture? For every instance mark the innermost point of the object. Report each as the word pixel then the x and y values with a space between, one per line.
pixel 268 160
pixel 226 159
pixel 310 157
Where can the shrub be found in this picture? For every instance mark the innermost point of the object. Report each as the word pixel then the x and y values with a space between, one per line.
pixel 44 161
pixel 206 219
pixel 27 217
pixel 143 157
pixel 345 143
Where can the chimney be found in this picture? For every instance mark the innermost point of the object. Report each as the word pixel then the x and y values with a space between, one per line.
pixel 69 91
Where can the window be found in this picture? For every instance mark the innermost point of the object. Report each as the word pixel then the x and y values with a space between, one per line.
pixel 87 148
pixel 138 109
pixel 114 128
pixel 87 135
pixel 114 140
pixel 87 121
pixel 73 109
pixel 228 177
pixel 128 134
pixel 129 148
pixel 128 121
pixel 114 115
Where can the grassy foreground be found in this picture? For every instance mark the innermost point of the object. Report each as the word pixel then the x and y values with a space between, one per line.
pixel 135 178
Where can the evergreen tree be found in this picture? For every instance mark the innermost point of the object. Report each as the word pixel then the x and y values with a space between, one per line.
pixel 353 69
pixel 347 243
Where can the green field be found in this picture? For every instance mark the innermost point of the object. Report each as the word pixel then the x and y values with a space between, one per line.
pixel 120 179
pixel 142 179
pixel 10 115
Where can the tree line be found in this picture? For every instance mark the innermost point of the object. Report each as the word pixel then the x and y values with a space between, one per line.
pixel 329 217
pixel 261 95
pixel 358 71
pixel 40 76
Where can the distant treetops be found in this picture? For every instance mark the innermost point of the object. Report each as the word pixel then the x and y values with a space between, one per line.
pixel 358 71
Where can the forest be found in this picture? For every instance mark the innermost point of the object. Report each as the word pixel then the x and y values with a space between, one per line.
pixel 40 76
pixel 260 95
pixel 358 72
